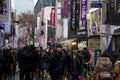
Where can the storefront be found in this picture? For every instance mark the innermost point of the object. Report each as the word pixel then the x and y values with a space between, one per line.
pixel 93 24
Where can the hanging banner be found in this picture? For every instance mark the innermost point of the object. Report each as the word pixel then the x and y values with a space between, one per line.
pixel 73 14
pixel 65 9
pixel 103 35
pixel 53 2
pixel 58 12
pixel 83 10
pixel 53 19
pixel 65 28
pixel 112 29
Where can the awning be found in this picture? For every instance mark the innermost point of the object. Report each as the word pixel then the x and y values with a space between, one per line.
pixel 68 40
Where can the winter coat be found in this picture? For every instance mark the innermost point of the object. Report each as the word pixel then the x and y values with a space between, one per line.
pixel 104 66
pixel 57 64
pixel 74 65
pixel 26 60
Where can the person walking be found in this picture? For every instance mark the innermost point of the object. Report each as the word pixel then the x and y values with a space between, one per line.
pixel 74 64
pixel 57 65
pixel 104 66
pixel 26 64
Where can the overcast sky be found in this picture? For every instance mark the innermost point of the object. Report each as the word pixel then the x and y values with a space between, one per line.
pixel 23 5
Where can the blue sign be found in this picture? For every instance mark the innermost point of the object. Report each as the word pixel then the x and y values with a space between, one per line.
pixel 96 5
pixel 53 2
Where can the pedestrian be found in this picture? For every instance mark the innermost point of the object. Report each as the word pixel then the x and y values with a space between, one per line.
pixel 8 65
pixel 117 68
pixel 86 60
pixel 104 66
pixel 26 64
pixel 1 65
pixel 74 64
pixel 57 65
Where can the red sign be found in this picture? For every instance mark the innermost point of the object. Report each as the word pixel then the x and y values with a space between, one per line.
pixel 53 16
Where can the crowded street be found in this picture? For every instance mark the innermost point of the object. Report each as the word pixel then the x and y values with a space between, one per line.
pixel 59 39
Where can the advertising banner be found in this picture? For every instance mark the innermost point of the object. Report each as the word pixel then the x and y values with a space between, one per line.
pixel 58 12
pixel 53 16
pixel 53 2
pixel 73 14
pixel 83 10
pixel 65 28
pixel 65 9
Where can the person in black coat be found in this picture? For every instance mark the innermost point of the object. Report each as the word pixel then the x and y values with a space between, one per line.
pixel 26 63
pixel 75 64
pixel 57 65
pixel 8 63
pixel 1 65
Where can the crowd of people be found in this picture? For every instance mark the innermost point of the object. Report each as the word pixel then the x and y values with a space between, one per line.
pixel 55 64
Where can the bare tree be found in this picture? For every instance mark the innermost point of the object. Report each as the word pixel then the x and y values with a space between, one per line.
pixel 26 19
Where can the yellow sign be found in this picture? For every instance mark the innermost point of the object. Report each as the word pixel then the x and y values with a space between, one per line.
pixel 59 0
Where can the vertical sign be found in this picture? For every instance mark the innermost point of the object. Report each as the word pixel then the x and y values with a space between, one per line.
pixel 65 9
pixel 73 14
pixel 53 13
pixel 53 2
pixel 58 12
pixel 83 10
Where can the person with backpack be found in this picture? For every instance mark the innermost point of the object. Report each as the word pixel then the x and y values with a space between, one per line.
pixel 104 66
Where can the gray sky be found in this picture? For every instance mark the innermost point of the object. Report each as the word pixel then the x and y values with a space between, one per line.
pixel 23 6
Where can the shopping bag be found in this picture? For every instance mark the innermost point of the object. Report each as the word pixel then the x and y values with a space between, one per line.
pixel 81 78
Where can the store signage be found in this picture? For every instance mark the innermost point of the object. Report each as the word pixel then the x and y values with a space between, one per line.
pixel 82 34
pixel 58 10
pixel 53 2
pixel 73 14
pixel 112 5
pixel 65 11
pixel 53 19
pixel 83 10
pixel 96 5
